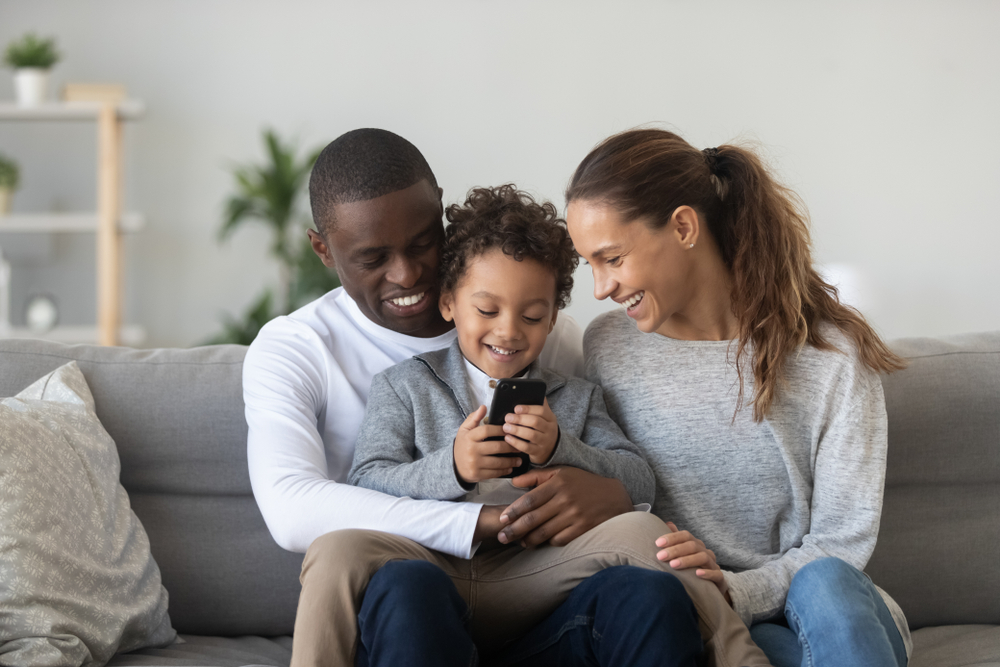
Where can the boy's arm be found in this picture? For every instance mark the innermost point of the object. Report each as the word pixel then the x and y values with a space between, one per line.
pixel 604 450
pixel 384 457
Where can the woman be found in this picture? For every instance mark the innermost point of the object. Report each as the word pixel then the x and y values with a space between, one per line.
pixel 753 391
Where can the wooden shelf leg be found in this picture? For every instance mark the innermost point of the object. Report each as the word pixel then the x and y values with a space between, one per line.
pixel 108 238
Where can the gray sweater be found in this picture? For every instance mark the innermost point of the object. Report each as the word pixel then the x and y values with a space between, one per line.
pixel 767 498
pixel 414 410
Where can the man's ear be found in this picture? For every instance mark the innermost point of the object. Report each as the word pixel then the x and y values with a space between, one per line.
pixel 446 304
pixel 320 248
pixel 687 226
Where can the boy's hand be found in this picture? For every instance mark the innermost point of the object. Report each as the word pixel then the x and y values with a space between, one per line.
pixel 534 430
pixel 473 452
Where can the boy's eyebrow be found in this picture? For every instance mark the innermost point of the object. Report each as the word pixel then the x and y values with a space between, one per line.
pixel 488 295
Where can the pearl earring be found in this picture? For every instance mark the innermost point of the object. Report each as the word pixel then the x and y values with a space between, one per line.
pixel 690 246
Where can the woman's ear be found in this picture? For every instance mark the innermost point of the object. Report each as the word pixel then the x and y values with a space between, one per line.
pixel 687 226
pixel 446 304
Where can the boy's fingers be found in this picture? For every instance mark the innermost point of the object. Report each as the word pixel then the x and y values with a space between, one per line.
pixel 498 462
pixel 521 432
pixel 476 416
pixel 480 433
pixel 490 447
pixel 529 421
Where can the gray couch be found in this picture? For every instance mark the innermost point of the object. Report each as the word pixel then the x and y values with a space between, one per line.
pixel 177 418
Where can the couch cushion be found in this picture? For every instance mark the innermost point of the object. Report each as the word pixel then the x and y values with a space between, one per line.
pixel 177 419
pixel 77 580
pixel 195 651
pixel 956 646
pixel 940 531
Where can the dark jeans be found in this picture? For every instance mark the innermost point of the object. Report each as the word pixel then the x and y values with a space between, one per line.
pixel 413 616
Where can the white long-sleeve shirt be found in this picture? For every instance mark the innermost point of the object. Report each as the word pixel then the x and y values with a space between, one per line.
pixel 305 384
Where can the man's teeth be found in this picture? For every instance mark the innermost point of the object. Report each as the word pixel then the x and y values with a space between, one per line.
pixel 500 350
pixel 634 299
pixel 408 300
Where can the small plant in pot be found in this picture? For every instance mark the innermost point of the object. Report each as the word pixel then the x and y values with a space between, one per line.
pixel 9 176
pixel 31 57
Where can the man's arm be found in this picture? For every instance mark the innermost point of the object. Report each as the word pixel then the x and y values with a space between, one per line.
pixel 285 384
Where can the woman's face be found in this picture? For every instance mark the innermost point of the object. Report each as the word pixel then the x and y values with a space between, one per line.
pixel 645 270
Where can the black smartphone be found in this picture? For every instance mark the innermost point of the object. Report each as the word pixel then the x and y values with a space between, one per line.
pixel 509 393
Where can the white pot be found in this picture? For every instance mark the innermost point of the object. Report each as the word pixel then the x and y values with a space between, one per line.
pixel 30 85
pixel 5 197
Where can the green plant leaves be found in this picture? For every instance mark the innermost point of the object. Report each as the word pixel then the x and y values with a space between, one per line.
pixel 32 51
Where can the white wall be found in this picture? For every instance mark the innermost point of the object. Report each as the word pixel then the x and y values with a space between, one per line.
pixel 884 116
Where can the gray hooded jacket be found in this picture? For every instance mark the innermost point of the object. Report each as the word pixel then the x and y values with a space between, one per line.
pixel 415 408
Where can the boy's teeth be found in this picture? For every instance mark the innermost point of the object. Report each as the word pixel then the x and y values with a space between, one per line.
pixel 408 300
pixel 502 351
pixel 636 298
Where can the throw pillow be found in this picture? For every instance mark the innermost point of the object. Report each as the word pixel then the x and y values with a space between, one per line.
pixel 77 580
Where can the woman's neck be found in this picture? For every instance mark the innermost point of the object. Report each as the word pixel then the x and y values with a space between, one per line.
pixel 708 314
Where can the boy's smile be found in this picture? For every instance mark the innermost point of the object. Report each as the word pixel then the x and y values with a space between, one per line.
pixel 503 310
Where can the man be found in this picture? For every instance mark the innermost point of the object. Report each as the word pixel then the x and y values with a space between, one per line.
pixel 378 212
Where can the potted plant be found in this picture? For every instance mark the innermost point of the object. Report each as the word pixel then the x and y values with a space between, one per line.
pixel 31 57
pixel 270 193
pixel 9 176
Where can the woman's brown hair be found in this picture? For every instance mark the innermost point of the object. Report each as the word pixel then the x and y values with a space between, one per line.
pixel 762 231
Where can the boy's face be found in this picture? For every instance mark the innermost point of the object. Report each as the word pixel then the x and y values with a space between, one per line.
pixel 386 252
pixel 503 310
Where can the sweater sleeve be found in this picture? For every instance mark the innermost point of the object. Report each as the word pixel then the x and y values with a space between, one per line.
pixel 846 505
pixel 602 449
pixel 284 389
pixel 385 455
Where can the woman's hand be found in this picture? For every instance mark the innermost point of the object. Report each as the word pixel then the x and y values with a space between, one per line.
pixel 533 430
pixel 474 455
pixel 683 551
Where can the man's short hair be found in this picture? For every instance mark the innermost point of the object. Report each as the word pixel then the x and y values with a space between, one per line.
pixel 361 165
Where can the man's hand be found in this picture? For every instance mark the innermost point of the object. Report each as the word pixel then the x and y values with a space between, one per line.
pixel 488 526
pixel 532 430
pixel 565 503
pixel 472 453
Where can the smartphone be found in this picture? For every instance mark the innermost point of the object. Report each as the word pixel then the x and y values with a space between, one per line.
pixel 509 393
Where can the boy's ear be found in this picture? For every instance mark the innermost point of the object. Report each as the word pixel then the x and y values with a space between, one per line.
pixel 446 304
pixel 552 324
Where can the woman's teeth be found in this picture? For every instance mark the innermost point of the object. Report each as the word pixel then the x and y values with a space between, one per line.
pixel 408 300
pixel 500 350
pixel 634 299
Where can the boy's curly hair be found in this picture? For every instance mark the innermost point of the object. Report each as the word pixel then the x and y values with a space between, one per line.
pixel 511 220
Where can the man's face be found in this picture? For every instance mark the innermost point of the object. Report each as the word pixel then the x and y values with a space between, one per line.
pixel 386 251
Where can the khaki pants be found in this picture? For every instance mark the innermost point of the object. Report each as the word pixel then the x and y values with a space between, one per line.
pixel 508 590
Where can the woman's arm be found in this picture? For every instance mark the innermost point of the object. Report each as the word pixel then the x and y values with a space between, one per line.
pixel 845 510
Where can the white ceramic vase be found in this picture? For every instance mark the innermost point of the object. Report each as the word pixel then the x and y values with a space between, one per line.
pixel 30 85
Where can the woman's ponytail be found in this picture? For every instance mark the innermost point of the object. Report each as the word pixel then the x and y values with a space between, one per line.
pixel 761 229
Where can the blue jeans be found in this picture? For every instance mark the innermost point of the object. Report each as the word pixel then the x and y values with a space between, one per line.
pixel 833 616
pixel 412 615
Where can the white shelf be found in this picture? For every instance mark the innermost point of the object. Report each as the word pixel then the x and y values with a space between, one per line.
pixel 127 110
pixel 65 222
pixel 128 335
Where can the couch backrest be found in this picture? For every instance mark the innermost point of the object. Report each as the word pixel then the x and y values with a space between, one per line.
pixel 938 552
pixel 177 419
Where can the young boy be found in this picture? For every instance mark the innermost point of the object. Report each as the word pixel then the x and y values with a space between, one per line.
pixel 507 269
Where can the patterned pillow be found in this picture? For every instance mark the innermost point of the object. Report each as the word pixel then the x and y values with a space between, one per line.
pixel 77 580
